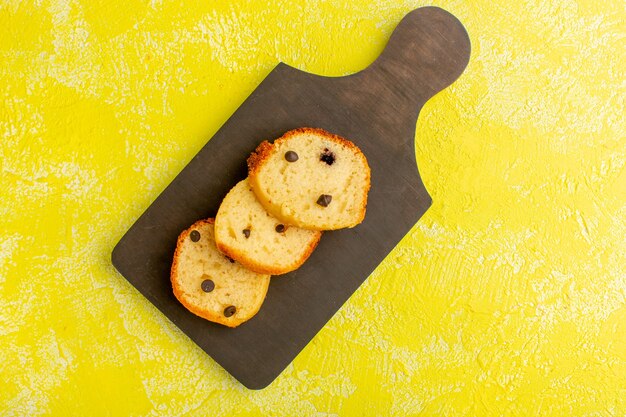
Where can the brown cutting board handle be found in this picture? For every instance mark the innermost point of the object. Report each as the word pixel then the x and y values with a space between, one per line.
pixel 427 51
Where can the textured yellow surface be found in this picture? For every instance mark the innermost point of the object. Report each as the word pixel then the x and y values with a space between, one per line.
pixel 508 298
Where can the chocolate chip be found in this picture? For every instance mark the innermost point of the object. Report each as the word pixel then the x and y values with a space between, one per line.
pixel 291 156
pixel 324 200
pixel 229 311
pixel 207 285
pixel 194 236
pixel 232 261
pixel 280 228
pixel 327 156
pixel 246 233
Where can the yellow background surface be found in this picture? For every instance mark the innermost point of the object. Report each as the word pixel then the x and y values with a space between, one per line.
pixel 507 298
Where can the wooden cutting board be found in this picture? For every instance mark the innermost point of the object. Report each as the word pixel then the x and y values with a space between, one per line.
pixel 376 108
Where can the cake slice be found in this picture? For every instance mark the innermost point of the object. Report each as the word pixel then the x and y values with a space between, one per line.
pixel 211 285
pixel 246 232
pixel 311 179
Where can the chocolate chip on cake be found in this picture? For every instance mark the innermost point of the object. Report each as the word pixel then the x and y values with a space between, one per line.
pixel 324 200
pixel 327 156
pixel 229 311
pixel 194 236
pixel 280 228
pixel 207 285
pixel 246 233
pixel 232 261
pixel 291 156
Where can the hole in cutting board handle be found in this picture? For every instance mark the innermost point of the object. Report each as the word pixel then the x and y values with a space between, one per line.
pixel 427 51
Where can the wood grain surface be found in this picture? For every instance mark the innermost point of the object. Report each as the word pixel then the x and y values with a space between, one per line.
pixel 376 108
